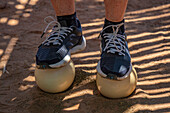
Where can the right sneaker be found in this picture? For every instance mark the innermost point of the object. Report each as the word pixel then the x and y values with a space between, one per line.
pixel 60 43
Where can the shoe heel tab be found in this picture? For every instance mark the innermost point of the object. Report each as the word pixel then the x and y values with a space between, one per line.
pixel 78 24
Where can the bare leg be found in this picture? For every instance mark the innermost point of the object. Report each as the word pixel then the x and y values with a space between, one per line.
pixel 115 9
pixel 63 7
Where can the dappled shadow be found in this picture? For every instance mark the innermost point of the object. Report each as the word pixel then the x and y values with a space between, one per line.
pixel 147 28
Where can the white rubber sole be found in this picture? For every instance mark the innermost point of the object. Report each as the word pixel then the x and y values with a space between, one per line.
pixel 67 58
pixel 62 63
pixel 79 48
pixel 100 72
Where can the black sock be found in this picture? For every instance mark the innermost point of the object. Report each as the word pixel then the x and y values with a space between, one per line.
pixel 110 30
pixel 67 20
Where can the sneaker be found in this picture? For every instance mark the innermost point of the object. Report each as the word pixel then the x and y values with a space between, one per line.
pixel 60 43
pixel 115 62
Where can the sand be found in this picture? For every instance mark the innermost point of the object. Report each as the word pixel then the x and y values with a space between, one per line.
pixel 148 31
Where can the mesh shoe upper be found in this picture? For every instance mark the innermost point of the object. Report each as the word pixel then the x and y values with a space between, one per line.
pixel 115 59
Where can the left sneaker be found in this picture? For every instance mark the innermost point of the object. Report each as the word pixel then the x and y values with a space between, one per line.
pixel 60 43
pixel 115 62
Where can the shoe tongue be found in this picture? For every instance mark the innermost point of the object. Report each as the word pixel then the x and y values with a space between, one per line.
pixel 63 23
pixel 111 30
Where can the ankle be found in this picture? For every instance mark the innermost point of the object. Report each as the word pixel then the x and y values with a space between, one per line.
pixel 69 19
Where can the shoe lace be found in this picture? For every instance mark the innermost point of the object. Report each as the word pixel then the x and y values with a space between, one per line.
pixel 57 34
pixel 114 42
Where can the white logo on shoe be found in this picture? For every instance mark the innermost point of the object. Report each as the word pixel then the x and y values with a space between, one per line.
pixel 122 69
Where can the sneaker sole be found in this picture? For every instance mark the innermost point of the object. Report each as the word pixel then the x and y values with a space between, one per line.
pixel 79 48
pixel 100 72
pixel 62 63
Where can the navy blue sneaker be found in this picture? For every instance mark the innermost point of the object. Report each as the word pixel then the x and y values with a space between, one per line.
pixel 115 62
pixel 60 43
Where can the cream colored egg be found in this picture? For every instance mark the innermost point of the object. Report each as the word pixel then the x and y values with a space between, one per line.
pixel 55 80
pixel 117 88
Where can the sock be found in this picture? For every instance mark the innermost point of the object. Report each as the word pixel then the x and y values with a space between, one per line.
pixel 110 30
pixel 67 20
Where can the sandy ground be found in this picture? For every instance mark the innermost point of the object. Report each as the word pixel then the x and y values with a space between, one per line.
pixel 148 30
